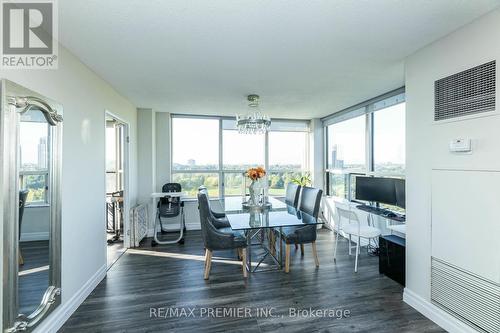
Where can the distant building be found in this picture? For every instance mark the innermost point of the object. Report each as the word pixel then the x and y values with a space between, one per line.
pixel 42 153
pixel 191 162
pixel 336 163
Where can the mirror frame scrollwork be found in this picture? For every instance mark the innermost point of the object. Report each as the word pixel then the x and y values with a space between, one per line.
pixel 15 101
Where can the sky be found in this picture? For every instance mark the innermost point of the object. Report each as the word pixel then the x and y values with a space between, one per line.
pixel 29 137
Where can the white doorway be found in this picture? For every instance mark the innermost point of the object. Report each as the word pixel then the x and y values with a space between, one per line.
pixel 117 187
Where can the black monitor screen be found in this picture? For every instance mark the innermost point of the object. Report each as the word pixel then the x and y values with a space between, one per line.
pixel 400 192
pixel 378 189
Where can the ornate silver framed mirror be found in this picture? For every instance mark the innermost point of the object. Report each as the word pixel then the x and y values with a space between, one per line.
pixel 30 177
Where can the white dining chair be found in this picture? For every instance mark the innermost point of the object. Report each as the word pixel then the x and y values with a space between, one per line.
pixel 353 228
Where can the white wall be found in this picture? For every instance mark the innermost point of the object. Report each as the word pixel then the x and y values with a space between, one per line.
pixel 163 137
pixel 146 141
pixel 84 97
pixel 426 146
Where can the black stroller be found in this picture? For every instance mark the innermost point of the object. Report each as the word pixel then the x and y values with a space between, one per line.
pixel 170 207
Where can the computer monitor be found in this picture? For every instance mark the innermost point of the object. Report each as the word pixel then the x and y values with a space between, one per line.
pixel 400 192
pixel 390 191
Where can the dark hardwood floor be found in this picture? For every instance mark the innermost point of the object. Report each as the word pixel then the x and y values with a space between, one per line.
pixel 33 274
pixel 171 276
pixel 113 250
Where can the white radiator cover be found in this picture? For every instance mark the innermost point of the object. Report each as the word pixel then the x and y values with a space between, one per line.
pixel 466 296
pixel 139 220
pixel 465 235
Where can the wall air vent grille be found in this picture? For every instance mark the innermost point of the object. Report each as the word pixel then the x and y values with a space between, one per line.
pixel 466 93
pixel 470 298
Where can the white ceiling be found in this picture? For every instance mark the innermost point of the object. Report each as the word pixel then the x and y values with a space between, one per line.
pixel 304 58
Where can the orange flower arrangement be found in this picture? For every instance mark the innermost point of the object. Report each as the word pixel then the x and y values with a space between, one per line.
pixel 255 173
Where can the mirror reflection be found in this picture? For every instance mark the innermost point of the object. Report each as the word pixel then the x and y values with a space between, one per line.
pixel 34 210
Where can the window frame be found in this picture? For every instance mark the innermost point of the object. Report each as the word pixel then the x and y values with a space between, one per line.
pixel 220 170
pixel 368 110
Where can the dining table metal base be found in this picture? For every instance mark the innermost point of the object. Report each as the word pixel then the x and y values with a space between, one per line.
pixel 257 238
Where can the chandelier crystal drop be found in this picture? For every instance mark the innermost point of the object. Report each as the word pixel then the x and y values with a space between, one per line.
pixel 253 122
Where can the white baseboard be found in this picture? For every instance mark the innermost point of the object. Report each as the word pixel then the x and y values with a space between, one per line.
pixel 62 313
pixel 436 314
pixel 34 236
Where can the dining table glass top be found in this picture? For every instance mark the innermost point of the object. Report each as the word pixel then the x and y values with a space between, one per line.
pixel 276 214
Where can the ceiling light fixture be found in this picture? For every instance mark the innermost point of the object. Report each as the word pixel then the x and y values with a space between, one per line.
pixel 253 122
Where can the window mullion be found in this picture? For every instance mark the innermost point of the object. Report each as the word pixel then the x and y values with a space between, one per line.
pixel 266 151
pixel 221 172
pixel 369 142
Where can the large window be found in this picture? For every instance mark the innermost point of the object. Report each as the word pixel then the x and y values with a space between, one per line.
pixel 196 159
pixel 34 154
pixel 346 145
pixel 195 144
pixel 239 152
pixel 346 154
pixel 195 154
pixel 288 159
pixel 242 151
pixel 368 139
pixel 389 140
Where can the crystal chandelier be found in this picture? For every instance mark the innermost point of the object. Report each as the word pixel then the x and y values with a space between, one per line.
pixel 253 122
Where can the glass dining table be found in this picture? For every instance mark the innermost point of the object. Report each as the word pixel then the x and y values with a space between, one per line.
pixel 258 224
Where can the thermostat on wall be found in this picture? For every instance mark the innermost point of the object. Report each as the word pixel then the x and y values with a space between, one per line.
pixel 460 146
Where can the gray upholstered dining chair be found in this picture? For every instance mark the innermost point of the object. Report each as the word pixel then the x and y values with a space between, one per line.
pixel 219 219
pixel 292 194
pixel 309 211
pixel 218 238
pixel 23 195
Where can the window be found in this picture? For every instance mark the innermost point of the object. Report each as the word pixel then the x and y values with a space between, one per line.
pixel 346 145
pixel 242 151
pixel 196 160
pixel 191 181
pixel 34 154
pixel 288 159
pixel 389 140
pixel 366 139
pixel 239 152
pixel 195 144
pixel 195 154
pixel 346 154
pixel 114 156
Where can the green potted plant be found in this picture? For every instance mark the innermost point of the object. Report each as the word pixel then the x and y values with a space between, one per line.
pixel 302 180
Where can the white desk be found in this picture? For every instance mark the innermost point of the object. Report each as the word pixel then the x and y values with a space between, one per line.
pixel 399 228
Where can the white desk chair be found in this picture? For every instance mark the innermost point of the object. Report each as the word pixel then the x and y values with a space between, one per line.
pixel 353 228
